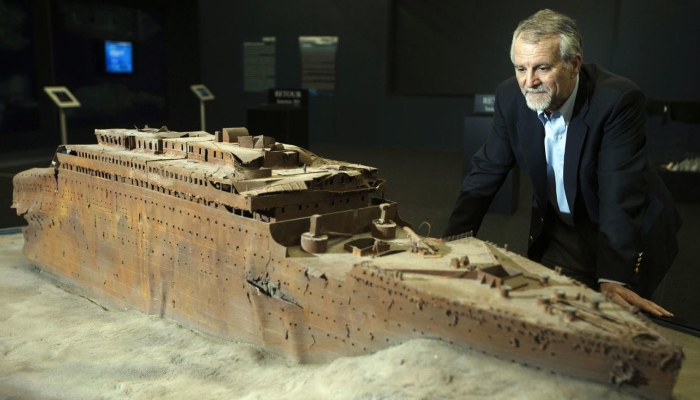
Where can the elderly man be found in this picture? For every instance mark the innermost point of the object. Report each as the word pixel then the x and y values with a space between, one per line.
pixel 600 210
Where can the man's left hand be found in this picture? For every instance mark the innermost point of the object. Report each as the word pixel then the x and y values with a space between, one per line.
pixel 625 297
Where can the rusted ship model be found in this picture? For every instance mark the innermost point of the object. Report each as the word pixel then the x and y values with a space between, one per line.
pixel 248 239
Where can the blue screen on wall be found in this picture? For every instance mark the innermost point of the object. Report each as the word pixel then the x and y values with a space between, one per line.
pixel 119 57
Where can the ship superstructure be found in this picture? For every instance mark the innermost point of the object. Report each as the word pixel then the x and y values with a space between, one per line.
pixel 249 239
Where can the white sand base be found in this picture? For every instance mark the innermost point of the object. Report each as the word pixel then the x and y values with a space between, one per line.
pixel 56 344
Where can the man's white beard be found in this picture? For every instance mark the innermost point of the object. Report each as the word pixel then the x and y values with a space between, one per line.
pixel 541 103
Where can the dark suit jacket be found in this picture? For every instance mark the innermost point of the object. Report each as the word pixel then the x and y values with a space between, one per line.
pixel 609 181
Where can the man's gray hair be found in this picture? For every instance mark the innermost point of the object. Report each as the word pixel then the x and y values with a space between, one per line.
pixel 547 23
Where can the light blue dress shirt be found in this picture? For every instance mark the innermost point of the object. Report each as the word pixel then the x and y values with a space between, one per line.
pixel 555 127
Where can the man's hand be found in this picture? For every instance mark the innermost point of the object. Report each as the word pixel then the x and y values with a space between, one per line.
pixel 625 297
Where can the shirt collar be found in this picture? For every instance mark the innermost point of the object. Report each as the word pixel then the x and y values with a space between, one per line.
pixel 567 109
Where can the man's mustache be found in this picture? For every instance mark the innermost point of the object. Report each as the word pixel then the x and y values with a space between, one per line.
pixel 536 90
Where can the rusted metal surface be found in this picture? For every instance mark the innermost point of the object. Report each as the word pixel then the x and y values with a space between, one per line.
pixel 248 239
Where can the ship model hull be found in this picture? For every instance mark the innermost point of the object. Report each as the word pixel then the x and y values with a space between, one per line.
pixel 310 276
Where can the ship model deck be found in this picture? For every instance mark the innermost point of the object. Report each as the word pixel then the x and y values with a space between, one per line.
pixel 248 239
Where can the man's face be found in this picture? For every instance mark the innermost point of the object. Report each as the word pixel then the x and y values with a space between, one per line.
pixel 540 72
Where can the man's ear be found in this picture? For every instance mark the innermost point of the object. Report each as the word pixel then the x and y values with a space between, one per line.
pixel 576 62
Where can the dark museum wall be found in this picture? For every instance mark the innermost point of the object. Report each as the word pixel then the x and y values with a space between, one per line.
pixel 407 70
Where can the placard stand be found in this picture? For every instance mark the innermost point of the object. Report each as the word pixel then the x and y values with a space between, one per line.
pixel 203 94
pixel 63 98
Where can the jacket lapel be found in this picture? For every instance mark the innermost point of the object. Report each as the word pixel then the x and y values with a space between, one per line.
pixel 575 139
pixel 531 134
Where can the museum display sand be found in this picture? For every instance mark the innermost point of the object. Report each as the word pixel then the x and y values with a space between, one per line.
pixel 57 344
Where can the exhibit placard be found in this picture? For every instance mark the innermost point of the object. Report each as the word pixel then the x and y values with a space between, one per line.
pixel 483 103
pixel 62 96
pixel 318 58
pixel 202 92
pixel 259 64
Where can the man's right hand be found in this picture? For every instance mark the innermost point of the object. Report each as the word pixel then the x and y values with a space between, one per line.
pixel 625 298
